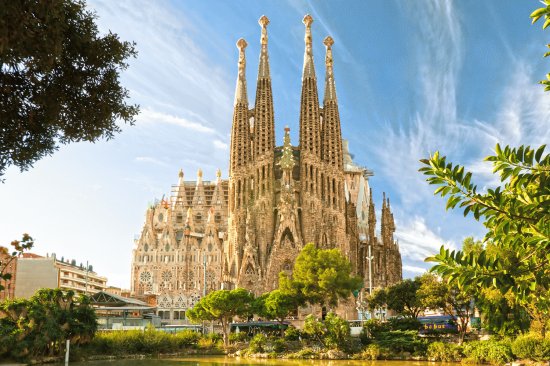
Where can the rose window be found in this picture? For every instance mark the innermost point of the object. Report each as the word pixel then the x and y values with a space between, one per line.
pixel 145 277
pixel 166 276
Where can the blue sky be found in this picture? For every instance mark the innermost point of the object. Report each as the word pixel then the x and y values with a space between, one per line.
pixel 412 77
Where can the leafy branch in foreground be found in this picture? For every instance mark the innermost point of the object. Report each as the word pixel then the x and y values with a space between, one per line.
pixel 59 80
pixel 517 217
pixel 6 257
pixel 535 16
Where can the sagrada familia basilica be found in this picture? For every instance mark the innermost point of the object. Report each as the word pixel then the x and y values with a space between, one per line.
pixel 243 231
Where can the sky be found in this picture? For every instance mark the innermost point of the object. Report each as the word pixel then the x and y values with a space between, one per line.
pixel 412 77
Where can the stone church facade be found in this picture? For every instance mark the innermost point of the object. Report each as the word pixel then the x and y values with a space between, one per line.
pixel 243 231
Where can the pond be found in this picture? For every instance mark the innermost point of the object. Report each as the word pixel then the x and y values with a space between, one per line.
pixel 229 361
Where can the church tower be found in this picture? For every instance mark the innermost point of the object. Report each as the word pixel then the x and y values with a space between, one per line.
pixel 239 182
pixel 332 176
pixel 264 144
pixel 310 143
pixel 244 231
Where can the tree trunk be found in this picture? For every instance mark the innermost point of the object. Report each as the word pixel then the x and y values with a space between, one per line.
pixel 281 321
pixel 462 328
pixel 225 333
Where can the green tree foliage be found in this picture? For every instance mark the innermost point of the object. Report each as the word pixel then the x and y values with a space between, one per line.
pixel 39 326
pixel 516 215
pixel 320 276
pixel 402 298
pixel 59 79
pixel 333 332
pixel 455 302
pixel 277 305
pixel 377 300
pixel 6 257
pixel 222 306
pixel 535 16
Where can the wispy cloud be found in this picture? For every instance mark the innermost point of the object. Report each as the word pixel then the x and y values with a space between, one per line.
pixel 220 145
pixel 149 159
pixel 148 115
pixel 524 113
pixel 414 269
pixel 417 241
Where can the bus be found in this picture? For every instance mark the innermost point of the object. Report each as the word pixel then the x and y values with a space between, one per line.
pixel 437 324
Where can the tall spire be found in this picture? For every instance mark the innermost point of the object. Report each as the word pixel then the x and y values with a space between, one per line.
pixel 264 124
pixel 330 88
pixel 310 123
pixel 331 130
pixel 309 69
pixel 240 131
pixel 240 90
pixel 263 71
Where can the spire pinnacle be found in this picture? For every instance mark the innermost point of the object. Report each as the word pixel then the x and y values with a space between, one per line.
pixel 263 71
pixel 240 90
pixel 330 87
pixel 309 70
pixel 180 178
pixel 308 20
pixel 264 21
pixel 218 173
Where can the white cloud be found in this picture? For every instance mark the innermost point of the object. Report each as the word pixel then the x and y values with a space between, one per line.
pixel 414 269
pixel 149 159
pixel 150 116
pixel 417 241
pixel 220 145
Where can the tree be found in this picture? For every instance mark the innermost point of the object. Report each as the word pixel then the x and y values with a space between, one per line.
pixel 516 215
pixel 6 257
pixel 277 305
pixel 222 306
pixel 39 326
pixel 59 80
pixel 333 332
pixel 458 304
pixel 320 276
pixel 535 16
pixel 377 300
pixel 403 299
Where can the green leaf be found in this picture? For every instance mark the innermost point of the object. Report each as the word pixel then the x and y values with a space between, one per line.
pixel 539 153
pixel 537 14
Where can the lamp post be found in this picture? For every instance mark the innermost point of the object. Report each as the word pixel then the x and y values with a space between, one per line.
pixel 204 279
pixel 369 259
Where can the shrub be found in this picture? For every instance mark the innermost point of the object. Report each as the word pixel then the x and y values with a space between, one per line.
pixel 494 352
pixel 258 343
pixel 305 353
pixel 206 343
pixel 292 334
pixel 531 346
pixel 215 337
pixel 278 345
pixel 371 328
pixel 499 353
pixel 399 341
pixel 238 337
pixel 404 324
pixel 440 351
pixel 371 352
pixel 338 333
pixel 187 338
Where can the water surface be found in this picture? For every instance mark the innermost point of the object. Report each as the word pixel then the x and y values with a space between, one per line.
pixel 230 361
